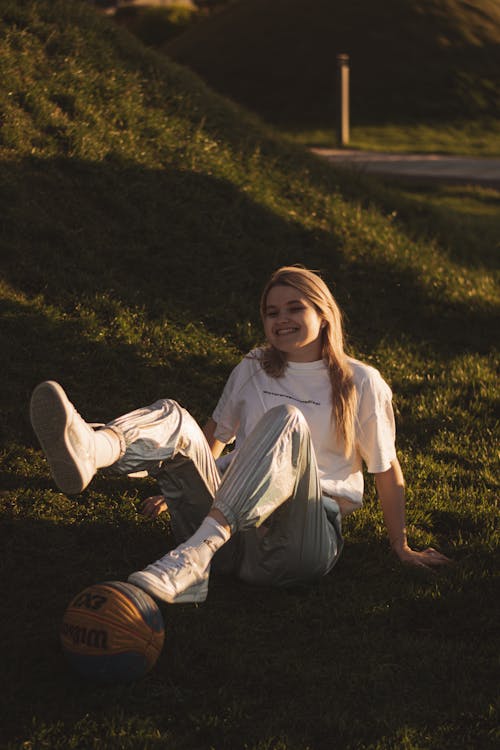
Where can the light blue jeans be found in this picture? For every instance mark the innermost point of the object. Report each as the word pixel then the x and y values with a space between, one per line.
pixel 284 532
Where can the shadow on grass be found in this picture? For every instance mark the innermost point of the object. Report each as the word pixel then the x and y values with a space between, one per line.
pixel 300 661
pixel 105 379
pixel 191 247
pixel 465 236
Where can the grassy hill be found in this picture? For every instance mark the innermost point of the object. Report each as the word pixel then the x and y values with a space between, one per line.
pixel 140 214
pixel 411 61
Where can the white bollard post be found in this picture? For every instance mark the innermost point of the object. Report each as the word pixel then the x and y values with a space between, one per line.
pixel 343 100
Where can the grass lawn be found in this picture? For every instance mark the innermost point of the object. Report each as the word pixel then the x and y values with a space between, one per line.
pixel 140 214
pixel 477 138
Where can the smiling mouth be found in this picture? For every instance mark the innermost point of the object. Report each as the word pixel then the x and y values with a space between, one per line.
pixel 286 331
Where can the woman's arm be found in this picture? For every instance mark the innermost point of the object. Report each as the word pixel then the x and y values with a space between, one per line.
pixel 216 446
pixel 391 491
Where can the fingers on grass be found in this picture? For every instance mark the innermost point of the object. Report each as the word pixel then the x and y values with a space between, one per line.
pixel 437 557
pixel 153 506
pixel 431 558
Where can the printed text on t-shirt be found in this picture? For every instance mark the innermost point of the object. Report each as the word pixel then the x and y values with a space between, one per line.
pixel 285 395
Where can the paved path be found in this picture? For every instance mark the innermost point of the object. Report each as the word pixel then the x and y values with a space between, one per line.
pixel 463 169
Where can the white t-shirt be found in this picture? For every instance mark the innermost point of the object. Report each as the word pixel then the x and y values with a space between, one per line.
pixel 249 393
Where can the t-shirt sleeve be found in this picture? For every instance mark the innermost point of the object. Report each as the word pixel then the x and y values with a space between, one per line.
pixel 376 427
pixel 227 412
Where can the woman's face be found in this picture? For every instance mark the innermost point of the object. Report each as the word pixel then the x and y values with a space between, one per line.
pixel 292 324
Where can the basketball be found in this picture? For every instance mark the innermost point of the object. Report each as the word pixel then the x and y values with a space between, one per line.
pixel 112 632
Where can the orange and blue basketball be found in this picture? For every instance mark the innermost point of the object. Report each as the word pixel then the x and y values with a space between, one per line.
pixel 112 632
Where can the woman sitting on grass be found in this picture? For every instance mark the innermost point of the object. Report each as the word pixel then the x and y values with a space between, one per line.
pixel 304 415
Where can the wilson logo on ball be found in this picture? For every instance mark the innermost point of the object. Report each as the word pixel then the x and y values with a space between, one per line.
pixel 84 637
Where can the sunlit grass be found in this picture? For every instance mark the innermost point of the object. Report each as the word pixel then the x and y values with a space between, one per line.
pixel 475 138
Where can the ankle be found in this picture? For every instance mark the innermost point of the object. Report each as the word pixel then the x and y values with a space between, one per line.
pixel 210 529
pixel 209 538
pixel 221 519
pixel 108 447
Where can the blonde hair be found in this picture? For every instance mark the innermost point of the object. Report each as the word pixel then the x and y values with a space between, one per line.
pixel 317 294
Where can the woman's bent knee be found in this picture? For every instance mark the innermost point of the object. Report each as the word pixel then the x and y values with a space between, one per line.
pixel 287 414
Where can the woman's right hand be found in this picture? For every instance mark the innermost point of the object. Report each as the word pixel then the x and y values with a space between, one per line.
pixel 154 505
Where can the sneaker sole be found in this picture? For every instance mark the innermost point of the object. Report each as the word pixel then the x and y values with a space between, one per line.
pixel 50 413
pixel 192 595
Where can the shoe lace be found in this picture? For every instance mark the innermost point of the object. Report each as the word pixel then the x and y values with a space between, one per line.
pixel 177 561
pixel 180 563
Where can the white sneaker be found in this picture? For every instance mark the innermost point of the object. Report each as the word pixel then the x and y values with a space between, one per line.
pixel 175 578
pixel 66 439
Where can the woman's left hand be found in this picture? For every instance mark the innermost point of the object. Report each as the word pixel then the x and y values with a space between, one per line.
pixel 427 558
pixel 153 506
